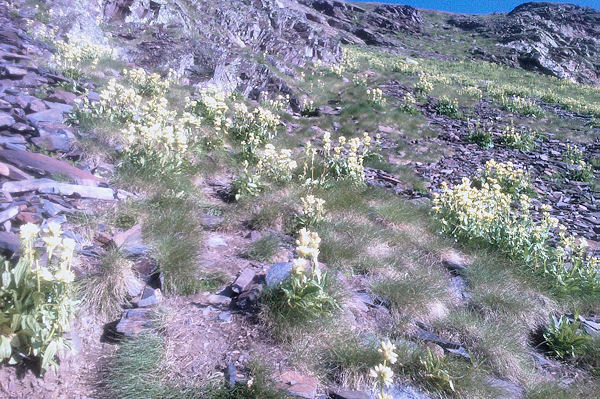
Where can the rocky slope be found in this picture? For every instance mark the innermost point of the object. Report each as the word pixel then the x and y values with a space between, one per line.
pixel 222 42
pixel 439 301
pixel 561 40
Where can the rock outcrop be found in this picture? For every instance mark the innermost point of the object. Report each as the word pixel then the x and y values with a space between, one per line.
pixel 561 40
pixel 222 42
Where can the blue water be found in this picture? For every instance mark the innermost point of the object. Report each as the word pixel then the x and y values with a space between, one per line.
pixel 478 6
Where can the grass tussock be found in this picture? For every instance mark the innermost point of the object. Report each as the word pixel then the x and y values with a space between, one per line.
pixel 174 233
pixel 106 290
pixel 263 249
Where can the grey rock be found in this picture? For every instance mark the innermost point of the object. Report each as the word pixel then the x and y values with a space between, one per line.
pixel 337 394
pixel 65 108
pixel 12 72
pixel 225 317
pixel 277 273
pixel 561 40
pixel 50 208
pixel 454 266
pixel 243 281
pixel 506 389
pixel 6 120
pixel 48 186
pixel 150 297
pixel 230 375
pixel 218 300
pixel 9 213
pixel 49 115
pixel 216 241
pixel 53 142
pixel 401 391
pixel 424 334
pixel 9 243
pixel 134 286
pixel 210 221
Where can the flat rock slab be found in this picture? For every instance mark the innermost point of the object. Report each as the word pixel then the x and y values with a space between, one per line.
pixel 49 115
pixel 6 120
pixel 53 142
pixel 298 385
pixel 44 164
pixel 216 241
pixel 48 186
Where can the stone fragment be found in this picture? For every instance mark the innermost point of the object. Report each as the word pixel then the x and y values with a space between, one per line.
pixel 506 389
pixel 28 217
pixel 6 120
pixel 61 96
pixel 150 297
pixel 216 241
pixel 53 142
pixel 9 243
pixel 298 385
pixel 4 170
pixel 336 394
pixel 134 286
pixel 225 316
pixel 277 273
pixel 131 241
pixel 43 164
pixel 20 127
pixel 135 321
pixel 216 300
pixel 49 115
pixel 48 186
pixel 65 108
pixel 401 391
pixel 454 265
pixel 35 105
pixel 210 222
pixel 230 375
pixel 243 281
pixel 424 334
pixel 12 72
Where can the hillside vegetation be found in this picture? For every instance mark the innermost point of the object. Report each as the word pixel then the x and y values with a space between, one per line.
pixel 398 220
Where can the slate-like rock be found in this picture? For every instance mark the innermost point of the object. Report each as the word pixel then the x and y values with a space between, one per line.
pixel 49 115
pixel 6 120
pixel 61 96
pixel 48 186
pixel 52 142
pixel 43 164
